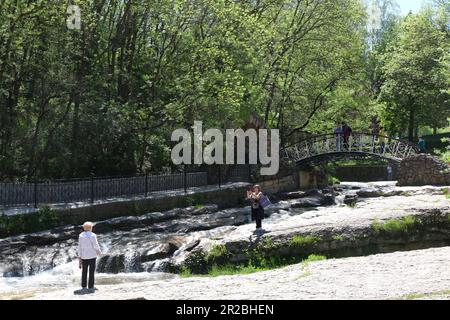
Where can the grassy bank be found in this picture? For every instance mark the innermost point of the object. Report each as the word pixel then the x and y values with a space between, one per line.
pixel 261 264
pixel 44 219
pixel 401 225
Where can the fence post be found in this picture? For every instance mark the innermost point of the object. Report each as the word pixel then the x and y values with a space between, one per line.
pixel 185 179
pixel 92 188
pixel 35 194
pixel 249 172
pixel 146 183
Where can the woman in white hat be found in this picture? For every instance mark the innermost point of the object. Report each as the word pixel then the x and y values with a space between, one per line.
pixel 88 251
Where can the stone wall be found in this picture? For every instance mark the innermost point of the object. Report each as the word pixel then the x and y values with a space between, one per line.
pixel 312 179
pixel 283 184
pixel 296 180
pixel 365 173
pixel 228 196
pixel 423 169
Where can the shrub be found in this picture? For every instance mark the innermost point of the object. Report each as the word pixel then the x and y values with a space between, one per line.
pixel 377 226
pixel 44 219
pixel 185 272
pixel 268 243
pixel 395 225
pixel 300 240
pixel 399 225
pixel 315 257
pixel 218 253
pixel 333 181
pixel 447 193
pixel 338 237
pixel 188 202
pixel 444 155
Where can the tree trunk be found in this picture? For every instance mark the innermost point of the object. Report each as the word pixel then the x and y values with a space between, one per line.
pixel 411 125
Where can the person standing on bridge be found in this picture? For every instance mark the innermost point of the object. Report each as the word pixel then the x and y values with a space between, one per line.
pixel 347 132
pixel 382 140
pixel 375 130
pixel 88 251
pixel 421 145
pixel 338 132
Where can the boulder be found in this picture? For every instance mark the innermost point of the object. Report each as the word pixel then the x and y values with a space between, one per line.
pixel 190 246
pixel 369 193
pixel 160 251
pixel 197 211
pixel 351 200
pixel 291 195
pixel 376 193
pixel 312 202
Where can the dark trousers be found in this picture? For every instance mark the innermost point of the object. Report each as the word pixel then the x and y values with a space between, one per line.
pixel 258 223
pixel 85 265
pixel 346 143
pixel 258 216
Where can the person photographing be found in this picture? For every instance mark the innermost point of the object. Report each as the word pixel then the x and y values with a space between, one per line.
pixel 256 196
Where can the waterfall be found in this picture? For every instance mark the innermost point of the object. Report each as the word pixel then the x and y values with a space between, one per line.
pixel 26 266
pixel 129 261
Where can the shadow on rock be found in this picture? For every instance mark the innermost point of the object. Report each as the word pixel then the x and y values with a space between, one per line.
pixel 81 292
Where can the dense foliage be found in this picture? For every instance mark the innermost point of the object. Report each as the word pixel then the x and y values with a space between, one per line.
pixel 416 68
pixel 105 99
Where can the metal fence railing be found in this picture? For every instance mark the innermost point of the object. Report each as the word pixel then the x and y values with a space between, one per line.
pixel 240 173
pixel 92 189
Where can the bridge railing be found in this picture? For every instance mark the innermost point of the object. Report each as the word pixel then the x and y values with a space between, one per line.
pixel 366 143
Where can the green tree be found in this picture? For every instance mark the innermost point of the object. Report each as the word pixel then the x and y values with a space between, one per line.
pixel 415 76
pixel 105 99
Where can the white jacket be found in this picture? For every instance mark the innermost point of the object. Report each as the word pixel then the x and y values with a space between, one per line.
pixel 88 247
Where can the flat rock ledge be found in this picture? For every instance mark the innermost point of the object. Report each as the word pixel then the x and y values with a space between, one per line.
pixel 420 274
pixel 374 226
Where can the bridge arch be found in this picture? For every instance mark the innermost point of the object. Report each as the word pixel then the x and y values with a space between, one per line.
pixel 322 148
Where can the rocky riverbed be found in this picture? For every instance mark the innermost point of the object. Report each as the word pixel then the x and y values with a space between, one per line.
pixel 348 220
pixel 384 219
